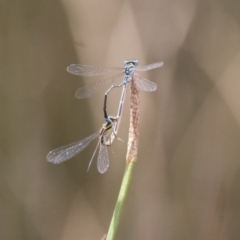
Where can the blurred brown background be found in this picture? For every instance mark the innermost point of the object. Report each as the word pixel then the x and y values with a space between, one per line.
pixel 186 183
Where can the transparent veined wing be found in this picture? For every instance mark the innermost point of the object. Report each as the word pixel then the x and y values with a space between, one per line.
pixel 144 84
pixel 64 153
pixel 90 162
pixel 90 70
pixel 149 67
pixel 102 160
pixel 92 88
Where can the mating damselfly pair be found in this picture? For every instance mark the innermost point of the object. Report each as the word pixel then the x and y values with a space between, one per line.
pixel 108 132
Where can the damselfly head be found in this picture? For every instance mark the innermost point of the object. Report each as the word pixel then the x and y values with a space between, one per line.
pixel 129 66
pixel 131 62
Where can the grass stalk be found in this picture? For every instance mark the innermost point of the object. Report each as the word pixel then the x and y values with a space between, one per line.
pixel 131 158
pixel 120 201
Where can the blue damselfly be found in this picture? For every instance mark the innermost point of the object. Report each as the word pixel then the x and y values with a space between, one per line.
pixel 129 70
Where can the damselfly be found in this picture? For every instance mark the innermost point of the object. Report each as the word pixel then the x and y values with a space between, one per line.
pixel 67 152
pixel 129 70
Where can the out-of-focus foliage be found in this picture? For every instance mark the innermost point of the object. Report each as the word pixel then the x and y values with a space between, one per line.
pixel 187 179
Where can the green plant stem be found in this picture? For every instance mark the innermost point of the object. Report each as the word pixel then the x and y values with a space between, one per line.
pixel 120 201
pixel 131 158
